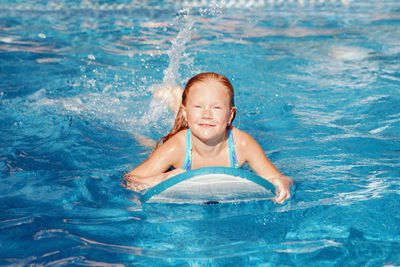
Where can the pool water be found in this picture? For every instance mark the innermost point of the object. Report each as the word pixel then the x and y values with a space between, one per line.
pixel 317 84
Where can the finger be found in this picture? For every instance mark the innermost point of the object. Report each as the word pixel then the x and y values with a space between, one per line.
pixel 136 186
pixel 281 197
pixel 278 200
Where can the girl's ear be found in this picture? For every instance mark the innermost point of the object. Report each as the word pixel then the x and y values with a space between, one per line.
pixel 232 115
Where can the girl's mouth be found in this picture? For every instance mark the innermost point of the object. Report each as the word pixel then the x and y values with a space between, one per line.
pixel 206 125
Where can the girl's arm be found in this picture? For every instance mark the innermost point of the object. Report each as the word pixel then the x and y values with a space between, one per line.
pixel 251 152
pixel 153 170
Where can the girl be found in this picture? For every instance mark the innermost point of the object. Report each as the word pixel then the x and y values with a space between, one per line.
pixel 203 136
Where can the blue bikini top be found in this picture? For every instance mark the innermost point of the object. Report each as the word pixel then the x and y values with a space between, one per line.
pixel 188 157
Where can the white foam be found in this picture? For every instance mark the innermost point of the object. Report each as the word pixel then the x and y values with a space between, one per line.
pixel 378 130
pixel 349 53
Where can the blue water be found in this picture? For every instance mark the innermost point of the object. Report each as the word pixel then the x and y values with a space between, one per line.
pixel 317 85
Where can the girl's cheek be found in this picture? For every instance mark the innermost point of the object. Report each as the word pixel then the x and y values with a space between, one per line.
pixel 195 113
pixel 192 116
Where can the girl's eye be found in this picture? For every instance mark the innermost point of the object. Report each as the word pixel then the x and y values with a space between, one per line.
pixel 217 107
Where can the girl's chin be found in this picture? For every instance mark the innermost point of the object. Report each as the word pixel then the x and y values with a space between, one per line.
pixel 208 132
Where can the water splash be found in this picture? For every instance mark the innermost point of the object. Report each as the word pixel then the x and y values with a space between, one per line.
pixel 178 57
pixel 177 53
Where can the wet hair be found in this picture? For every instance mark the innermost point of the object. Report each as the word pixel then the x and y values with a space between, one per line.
pixel 180 121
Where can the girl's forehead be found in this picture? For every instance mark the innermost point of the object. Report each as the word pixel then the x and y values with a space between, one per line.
pixel 209 92
pixel 209 86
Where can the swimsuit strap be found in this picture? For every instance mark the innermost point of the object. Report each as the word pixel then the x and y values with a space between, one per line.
pixel 188 157
pixel 232 153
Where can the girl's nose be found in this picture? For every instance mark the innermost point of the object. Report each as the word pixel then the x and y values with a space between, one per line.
pixel 207 113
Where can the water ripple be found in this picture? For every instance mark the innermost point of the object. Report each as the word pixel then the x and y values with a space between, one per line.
pixel 83 242
pixel 16 222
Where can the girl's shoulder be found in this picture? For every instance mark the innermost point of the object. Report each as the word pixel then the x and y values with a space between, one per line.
pixel 176 142
pixel 241 138
pixel 247 148
pixel 239 133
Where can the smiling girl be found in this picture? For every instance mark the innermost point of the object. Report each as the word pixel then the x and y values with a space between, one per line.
pixel 203 136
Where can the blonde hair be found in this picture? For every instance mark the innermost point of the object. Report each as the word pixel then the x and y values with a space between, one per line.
pixel 180 121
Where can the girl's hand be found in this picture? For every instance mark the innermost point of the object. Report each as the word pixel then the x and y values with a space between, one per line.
pixel 282 185
pixel 138 184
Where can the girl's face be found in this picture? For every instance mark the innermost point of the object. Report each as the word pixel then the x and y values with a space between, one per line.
pixel 208 111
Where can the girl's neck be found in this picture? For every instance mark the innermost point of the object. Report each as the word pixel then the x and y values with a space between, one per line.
pixel 211 147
